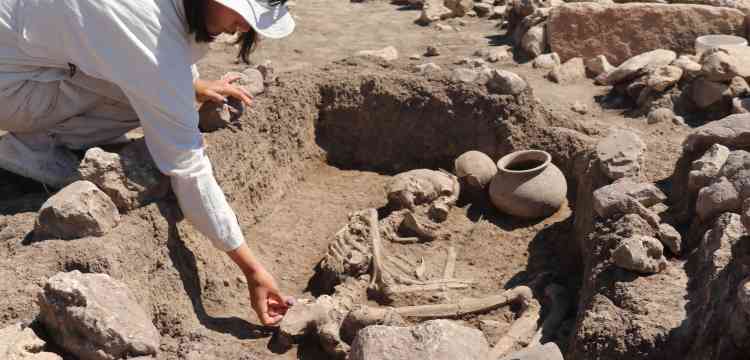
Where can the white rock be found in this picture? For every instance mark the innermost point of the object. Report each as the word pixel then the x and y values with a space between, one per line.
pixel 434 340
pixel 599 65
pixel 483 9
pixel 506 83
pixel 570 71
pixel 635 65
pixel 427 68
pixel 664 77
pixel 78 210
pixel 501 53
pixel 95 317
pixel 642 254
pixel 707 167
pixel 21 343
pixel 689 66
pixel 719 66
pixel 620 154
pixel 660 115
pixel 548 351
pixel 547 61
pixel 433 10
pixel 251 80
pixel 719 197
pixel 388 53
pixel 534 41
pixel 671 238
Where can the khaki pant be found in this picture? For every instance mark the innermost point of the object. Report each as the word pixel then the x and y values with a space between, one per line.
pixel 77 112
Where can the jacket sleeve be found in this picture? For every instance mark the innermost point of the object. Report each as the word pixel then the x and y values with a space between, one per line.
pixel 143 49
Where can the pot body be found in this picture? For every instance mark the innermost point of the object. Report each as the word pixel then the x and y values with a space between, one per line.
pixel 528 185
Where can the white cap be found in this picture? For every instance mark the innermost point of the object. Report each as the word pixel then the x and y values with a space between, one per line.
pixel 269 21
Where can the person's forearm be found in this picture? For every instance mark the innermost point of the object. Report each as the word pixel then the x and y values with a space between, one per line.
pixel 245 260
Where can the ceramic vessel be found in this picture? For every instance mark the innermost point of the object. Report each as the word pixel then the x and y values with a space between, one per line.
pixel 708 42
pixel 528 185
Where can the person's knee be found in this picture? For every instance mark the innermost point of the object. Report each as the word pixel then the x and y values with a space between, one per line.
pixel 29 107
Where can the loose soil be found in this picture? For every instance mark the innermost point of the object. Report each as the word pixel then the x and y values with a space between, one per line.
pixel 291 195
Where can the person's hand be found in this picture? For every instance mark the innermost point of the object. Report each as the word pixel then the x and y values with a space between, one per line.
pixel 219 90
pixel 266 298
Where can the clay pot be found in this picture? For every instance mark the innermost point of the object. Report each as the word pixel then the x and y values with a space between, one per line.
pixel 528 185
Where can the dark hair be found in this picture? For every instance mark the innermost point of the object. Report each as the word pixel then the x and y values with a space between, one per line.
pixel 195 11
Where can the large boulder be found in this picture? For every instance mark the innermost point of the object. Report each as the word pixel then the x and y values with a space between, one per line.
pixel 21 343
pixel 130 177
pixel 732 131
pixel 622 31
pixel 95 317
pixel 78 210
pixel 434 340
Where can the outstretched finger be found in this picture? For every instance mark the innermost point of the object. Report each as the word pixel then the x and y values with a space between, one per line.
pixel 239 94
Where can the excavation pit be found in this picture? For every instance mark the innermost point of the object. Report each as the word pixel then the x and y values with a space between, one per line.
pixel 317 147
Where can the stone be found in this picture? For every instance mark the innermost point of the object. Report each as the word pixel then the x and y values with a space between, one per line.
pixel 620 154
pixel 251 80
pixel 720 66
pixel 95 317
pixel 483 9
pixel 498 12
pixel 642 254
pixel 580 108
pixel 638 64
pixel 610 202
pixel 646 194
pixel 690 67
pixel 548 351
pixel 731 131
pixel 706 93
pixel 388 53
pixel 415 57
pixel 546 61
pixel 77 211
pixel 719 197
pixel 433 10
pixel 214 116
pixel 740 105
pixel 464 75
pixel 704 170
pixel 472 62
pixel 622 31
pixel 460 8
pixel 501 53
pixel 715 249
pixel 671 238
pixel 435 340
pixel 506 83
pixel 664 77
pixel 427 68
pixel 432 51
pixel 661 115
pixel 18 342
pixel 739 87
pixel 737 170
pixel 570 71
pixel 130 178
pixel 534 41
pixel 444 27
pixel 598 65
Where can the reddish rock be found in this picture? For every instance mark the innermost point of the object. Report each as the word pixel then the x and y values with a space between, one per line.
pixel 622 31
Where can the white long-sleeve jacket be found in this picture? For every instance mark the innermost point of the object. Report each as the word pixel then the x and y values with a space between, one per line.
pixel 144 48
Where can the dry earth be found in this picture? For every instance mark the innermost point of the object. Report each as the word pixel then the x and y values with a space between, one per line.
pixel 193 293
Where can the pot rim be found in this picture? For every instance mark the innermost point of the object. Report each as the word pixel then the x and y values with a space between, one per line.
pixel 539 155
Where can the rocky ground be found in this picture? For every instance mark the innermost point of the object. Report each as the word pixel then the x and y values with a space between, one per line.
pixel 644 257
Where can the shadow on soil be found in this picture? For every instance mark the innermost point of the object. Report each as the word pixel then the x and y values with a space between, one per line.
pixel 185 262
